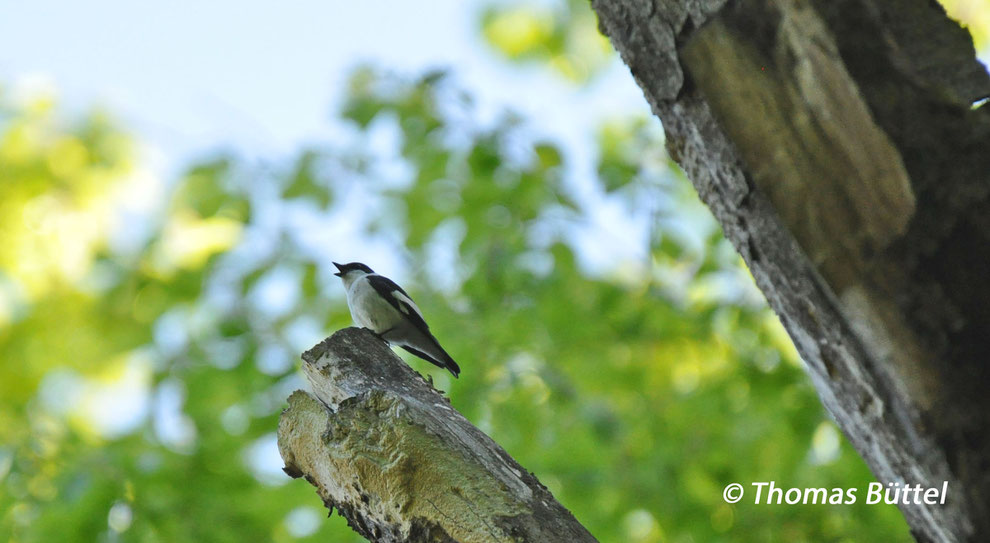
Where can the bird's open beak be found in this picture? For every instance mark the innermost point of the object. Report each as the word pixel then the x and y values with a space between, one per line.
pixel 340 271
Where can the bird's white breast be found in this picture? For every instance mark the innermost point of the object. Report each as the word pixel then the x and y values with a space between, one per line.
pixel 369 309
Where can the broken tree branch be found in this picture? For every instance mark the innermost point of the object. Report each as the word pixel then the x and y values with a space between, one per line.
pixel 387 450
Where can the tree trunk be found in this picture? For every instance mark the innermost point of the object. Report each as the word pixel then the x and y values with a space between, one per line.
pixel 399 463
pixel 836 143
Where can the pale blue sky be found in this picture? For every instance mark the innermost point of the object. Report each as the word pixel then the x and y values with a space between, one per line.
pixel 261 78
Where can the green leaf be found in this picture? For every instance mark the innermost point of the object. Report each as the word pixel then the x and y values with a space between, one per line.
pixel 205 189
pixel 303 182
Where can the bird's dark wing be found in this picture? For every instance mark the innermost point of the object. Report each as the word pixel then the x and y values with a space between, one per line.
pixel 447 364
pixel 393 293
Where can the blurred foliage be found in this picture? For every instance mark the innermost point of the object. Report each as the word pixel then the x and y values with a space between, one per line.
pixel 145 355
pixel 975 16
pixel 142 379
pixel 562 34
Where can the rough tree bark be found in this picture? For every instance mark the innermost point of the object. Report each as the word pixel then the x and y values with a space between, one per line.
pixel 387 450
pixel 836 142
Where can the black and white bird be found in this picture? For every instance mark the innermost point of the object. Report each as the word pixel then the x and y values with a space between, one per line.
pixel 380 305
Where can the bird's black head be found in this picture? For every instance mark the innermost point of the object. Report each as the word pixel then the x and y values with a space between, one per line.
pixel 342 269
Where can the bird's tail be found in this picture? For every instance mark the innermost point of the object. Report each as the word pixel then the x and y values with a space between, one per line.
pixel 440 358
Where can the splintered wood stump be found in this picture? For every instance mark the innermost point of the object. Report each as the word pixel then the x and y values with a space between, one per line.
pixel 388 451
